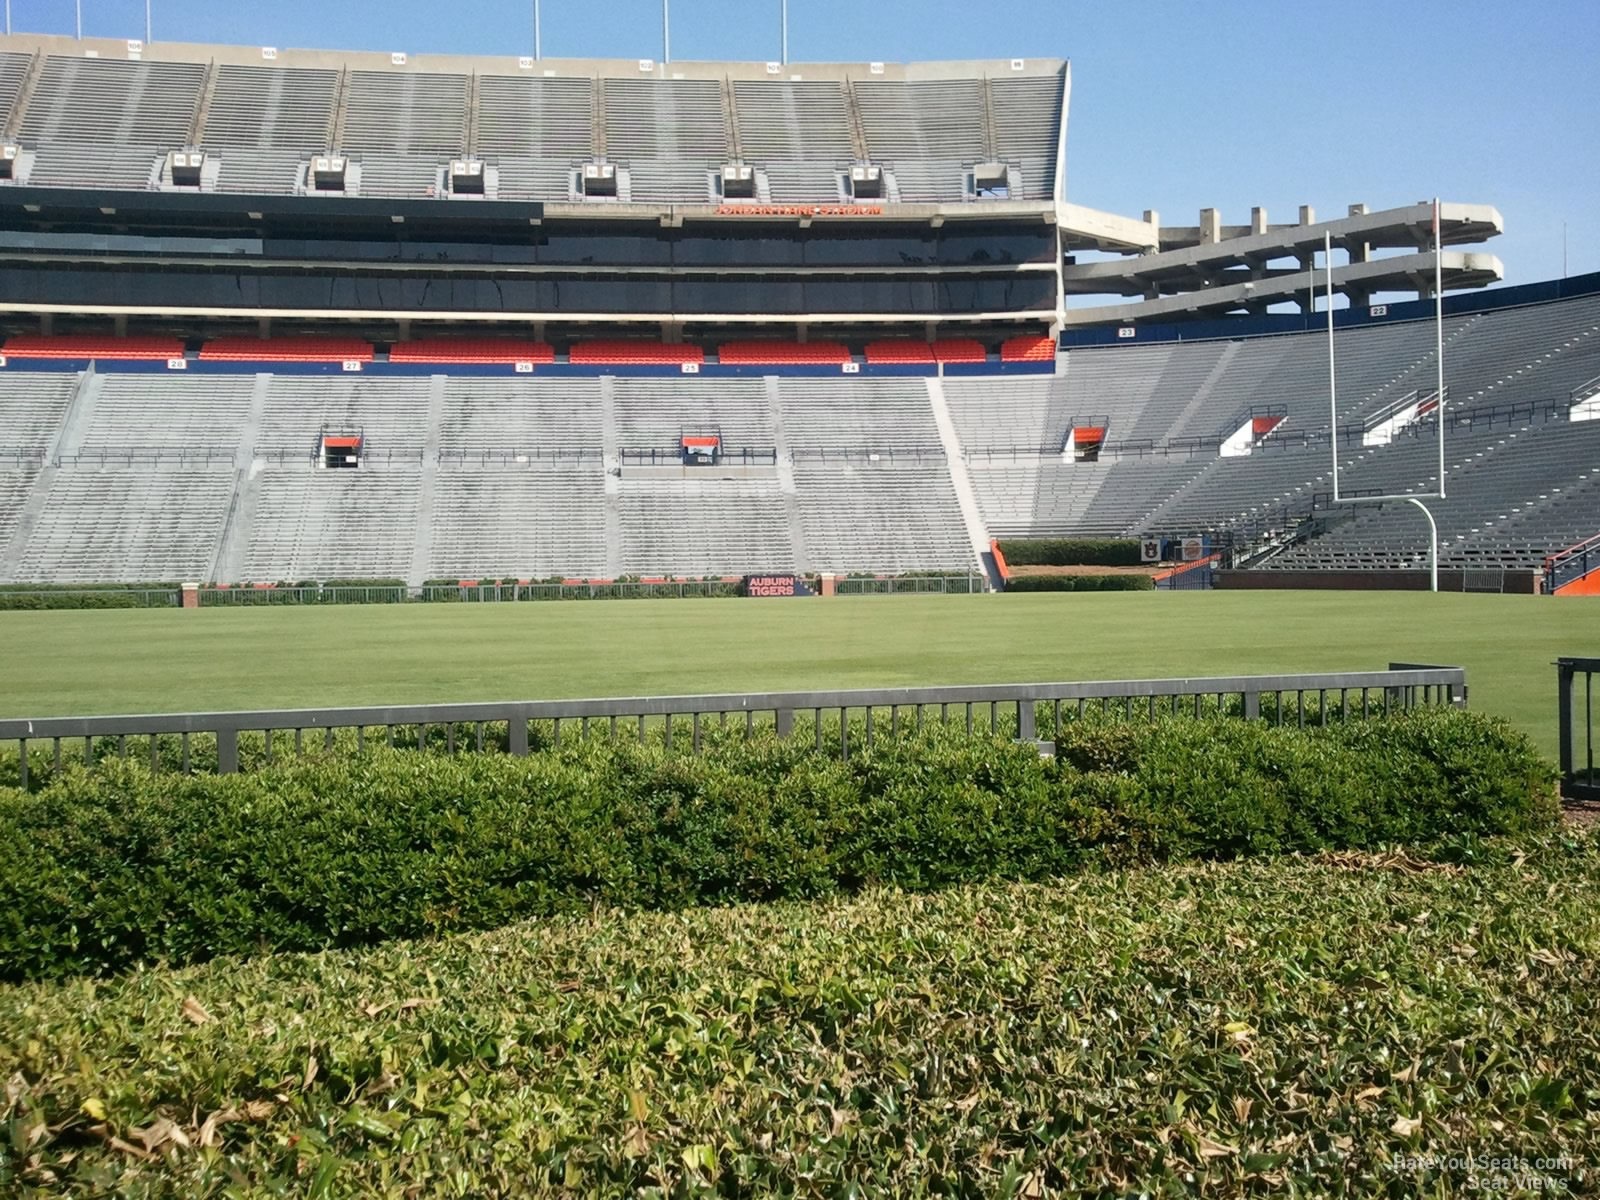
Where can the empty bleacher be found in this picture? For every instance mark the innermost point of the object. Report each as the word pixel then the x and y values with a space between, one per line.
pixel 859 416
pixel 13 73
pixel 518 521
pixel 287 349
pixel 112 475
pixel 1027 121
pixel 310 523
pixel 145 414
pixel 652 414
pixel 120 524
pixel 31 410
pixel 1027 412
pixel 881 517
pixel 113 102
pixel 87 345
pixel 106 121
pixel 271 108
pixel 392 414
pixel 774 353
pixel 17 482
pixel 471 350
pixel 928 131
pixel 406 112
pixel 628 351
pixel 698 527
pixel 799 131
pixel 504 418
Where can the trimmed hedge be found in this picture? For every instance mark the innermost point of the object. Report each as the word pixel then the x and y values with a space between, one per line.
pixel 35 597
pixel 111 867
pixel 1080 583
pixel 1072 552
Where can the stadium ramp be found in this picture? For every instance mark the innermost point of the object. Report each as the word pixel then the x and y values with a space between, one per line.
pixel 960 478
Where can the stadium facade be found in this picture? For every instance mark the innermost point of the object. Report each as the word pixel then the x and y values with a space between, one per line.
pixel 604 318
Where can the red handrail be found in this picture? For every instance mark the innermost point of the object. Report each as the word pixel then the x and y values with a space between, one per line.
pixel 1590 543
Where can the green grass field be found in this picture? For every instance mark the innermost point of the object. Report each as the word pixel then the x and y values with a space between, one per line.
pixel 61 663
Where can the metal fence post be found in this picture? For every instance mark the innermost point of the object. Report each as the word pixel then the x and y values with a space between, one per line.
pixel 517 727
pixel 1025 728
pixel 1252 706
pixel 228 751
pixel 1564 674
pixel 785 719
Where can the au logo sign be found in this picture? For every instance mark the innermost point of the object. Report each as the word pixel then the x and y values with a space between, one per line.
pixel 775 585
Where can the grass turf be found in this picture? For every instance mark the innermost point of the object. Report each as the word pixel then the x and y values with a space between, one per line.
pixel 164 660
pixel 1287 1026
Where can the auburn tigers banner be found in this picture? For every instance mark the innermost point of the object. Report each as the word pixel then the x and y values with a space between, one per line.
pixel 776 585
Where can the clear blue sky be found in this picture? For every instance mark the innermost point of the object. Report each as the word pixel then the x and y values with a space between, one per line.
pixel 1176 105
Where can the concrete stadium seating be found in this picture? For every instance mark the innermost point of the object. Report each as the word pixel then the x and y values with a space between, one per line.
pixel 518 521
pixel 107 122
pixel 110 475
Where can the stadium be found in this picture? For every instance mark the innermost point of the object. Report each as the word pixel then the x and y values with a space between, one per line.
pixel 786 859
pixel 602 320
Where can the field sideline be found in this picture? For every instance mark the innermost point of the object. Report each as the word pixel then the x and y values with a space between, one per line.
pixel 161 660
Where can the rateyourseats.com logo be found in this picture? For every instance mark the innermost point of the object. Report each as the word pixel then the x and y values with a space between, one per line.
pixel 1501 1174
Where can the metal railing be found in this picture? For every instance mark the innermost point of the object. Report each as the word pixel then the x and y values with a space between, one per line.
pixel 1191 576
pixel 1575 713
pixel 521 455
pixel 1022 710
pixel 1572 564
pixel 134 455
pixel 906 585
pixel 752 456
pixel 254 597
pixel 489 592
pixel 857 454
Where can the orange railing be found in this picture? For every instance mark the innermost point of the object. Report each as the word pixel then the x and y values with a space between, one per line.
pixel 1161 577
pixel 1000 562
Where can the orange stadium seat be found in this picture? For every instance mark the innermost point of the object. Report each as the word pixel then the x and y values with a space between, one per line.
pixel 960 350
pixel 1032 348
pixel 471 350
pixel 287 349
pixel 900 350
pixel 90 345
pixel 625 352
pixel 782 353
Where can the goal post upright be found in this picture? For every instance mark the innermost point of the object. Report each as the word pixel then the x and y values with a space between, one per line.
pixel 1413 498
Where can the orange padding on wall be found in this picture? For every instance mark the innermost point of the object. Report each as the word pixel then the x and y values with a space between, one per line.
pixel 1589 585
pixel 1000 561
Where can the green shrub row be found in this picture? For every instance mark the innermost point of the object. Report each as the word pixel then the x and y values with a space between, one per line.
pixel 42 601
pixel 1072 552
pixel 1080 583
pixel 33 597
pixel 114 866
pixel 1278 1027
